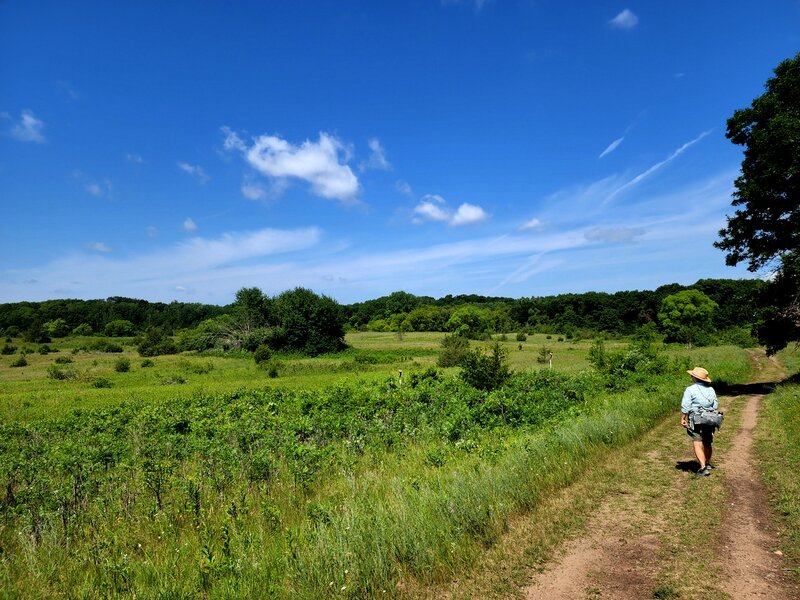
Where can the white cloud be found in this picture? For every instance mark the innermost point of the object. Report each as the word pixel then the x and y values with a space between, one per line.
pixel 28 128
pixel 404 188
pixel 377 157
pixel 253 190
pixel 189 224
pixel 468 214
pixel 99 190
pixel 134 158
pixel 152 231
pixel 100 247
pixel 625 20
pixel 322 164
pixel 431 211
pixel 611 147
pixel 531 225
pixel 433 207
pixel 641 176
pixel 614 235
pixel 195 171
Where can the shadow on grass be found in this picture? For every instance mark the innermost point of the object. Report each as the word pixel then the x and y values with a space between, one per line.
pixel 687 466
pixel 745 389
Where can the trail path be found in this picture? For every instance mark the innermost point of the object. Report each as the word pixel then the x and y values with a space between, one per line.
pixel 640 544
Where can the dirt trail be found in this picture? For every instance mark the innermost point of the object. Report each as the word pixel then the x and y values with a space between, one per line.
pixel 629 540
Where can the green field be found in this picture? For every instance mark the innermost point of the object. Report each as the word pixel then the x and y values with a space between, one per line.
pixel 204 475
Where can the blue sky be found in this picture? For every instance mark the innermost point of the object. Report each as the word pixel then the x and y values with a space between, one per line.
pixel 183 150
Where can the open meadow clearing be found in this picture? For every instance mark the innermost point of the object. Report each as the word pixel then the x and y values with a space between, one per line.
pixel 201 474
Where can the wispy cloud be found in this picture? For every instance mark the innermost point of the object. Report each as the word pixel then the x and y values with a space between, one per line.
pixel 614 235
pixel 433 207
pixel 100 247
pixel 189 224
pixel 28 128
pixel 531 225
pixel 321 164
pixel 377 158
pixel 625 20
pixel 647 173
pixel 404 188
pixel 611 147
pixel 68 90
pixel 152 231
pixel 134 158
pixel 195 171
pixel 102 189
pixel 252 190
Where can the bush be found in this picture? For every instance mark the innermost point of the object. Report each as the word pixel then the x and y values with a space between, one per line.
pixel 83 329
pixel 60 373
pixel 8 349
pixel 262 354
pixel 119 328
pixel 44 349
pixel 63 360
pixel 113 348
pixel 544 355
pixel 122 365
pixel 486 372
pixel 146 363
pixel 20 362
pixel 102 382
pixel 521 337
pixel 454 350
pixel 155 342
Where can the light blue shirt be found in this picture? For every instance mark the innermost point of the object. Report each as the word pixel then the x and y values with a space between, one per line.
pixel 699 396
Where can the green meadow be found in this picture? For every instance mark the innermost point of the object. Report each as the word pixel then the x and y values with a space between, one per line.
pixel 335 476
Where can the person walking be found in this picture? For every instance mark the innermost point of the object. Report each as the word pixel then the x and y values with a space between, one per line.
pixel 699 396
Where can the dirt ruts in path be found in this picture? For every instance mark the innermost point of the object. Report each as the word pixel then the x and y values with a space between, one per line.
pixel 753 570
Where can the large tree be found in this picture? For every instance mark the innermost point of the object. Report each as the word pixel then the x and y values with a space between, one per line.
pixel 765 229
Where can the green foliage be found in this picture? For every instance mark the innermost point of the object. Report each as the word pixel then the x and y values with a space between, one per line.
pixel 307 322
pixel 521 336
pixel 122 365
pixel 56 328
pixel 8 349
pixel 262 354
pixel 685 316
pixel 147 363
pixel 20 362
pixel 63 360
pixel 765 229
pixel 469 321
pixel 83 329
pixel 44 350
pixel 119 328
pixel 544 355
pixel 61 373
pixel 155 342
pixel 102 383
pixel 454 350
pixel 486 371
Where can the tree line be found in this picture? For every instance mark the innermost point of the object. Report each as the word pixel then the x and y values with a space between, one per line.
pixel 284 321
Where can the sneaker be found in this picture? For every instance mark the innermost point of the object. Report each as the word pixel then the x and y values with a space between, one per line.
pixel 704 472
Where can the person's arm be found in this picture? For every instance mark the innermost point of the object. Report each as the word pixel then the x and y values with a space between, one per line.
pixel 684 420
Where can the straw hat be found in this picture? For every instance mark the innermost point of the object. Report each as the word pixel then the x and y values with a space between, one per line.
pixel 700 374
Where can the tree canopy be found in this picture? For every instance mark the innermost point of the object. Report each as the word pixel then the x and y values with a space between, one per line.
pixel 765 229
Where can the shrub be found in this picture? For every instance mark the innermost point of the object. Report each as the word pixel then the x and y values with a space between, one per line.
pixel 102 382
pixel 521 337
pixel 20 362
pixel 83 329
pixel 60 373
pixel 262 354
pixel 544 355
pixel 113 348
pixel 146 363
pixel 122 365
pixel 63 360
pixel 454 350
pixel 155 342
pixel 12 331
pixel 486 371
pixel 8 349
pixel 44 349
pixel 272 370
pixel 119 328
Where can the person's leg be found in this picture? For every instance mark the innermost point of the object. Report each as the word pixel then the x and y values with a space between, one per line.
pixel 699 452
pixel 707 449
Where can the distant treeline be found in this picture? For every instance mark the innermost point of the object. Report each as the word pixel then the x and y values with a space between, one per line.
pixel 620 313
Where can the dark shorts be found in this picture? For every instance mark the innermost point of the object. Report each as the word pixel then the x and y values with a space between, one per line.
pixel 701 433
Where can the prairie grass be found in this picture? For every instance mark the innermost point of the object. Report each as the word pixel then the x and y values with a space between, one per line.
pixel 347 485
